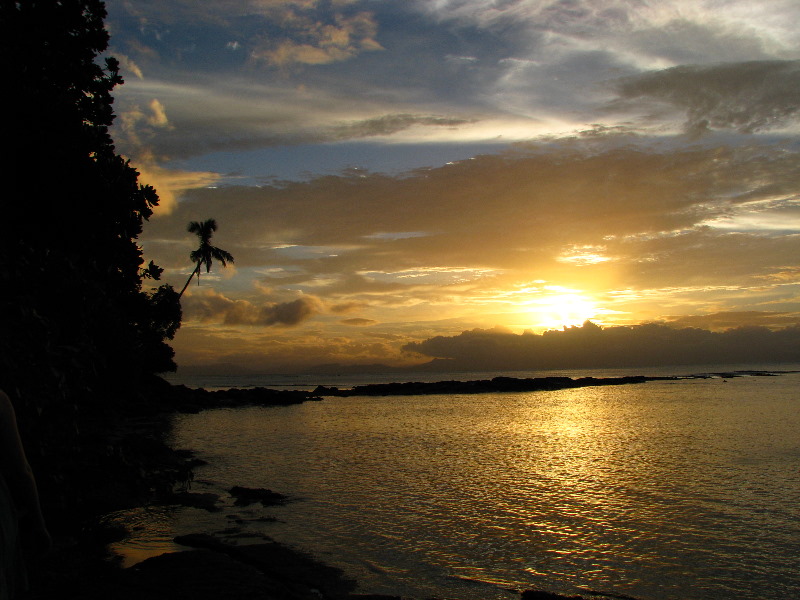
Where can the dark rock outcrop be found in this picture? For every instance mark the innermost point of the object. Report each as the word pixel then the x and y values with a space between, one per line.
pixel 185 399
pixel 206 501
pixel 511 384
pixel 479 386
pixel 246 496
pixel 286 573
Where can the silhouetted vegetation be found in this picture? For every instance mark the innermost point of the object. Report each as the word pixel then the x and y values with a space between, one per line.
pixel 82 337
pixel 205 253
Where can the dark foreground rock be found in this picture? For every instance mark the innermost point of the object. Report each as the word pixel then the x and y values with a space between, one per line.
pixel 290 573
pixel 212 570
pixel 206 501
pixel 184 399
pixel 246 496
pixel 215 569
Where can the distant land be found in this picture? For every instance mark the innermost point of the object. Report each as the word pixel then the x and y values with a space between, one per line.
pixel 434 366
pixel 586 347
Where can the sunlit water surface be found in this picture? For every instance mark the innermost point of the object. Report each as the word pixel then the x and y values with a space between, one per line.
pixel 675 489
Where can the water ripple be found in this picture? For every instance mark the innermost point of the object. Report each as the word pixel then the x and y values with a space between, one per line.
pixel 666 490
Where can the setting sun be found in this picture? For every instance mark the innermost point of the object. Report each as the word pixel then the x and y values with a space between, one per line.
pixel 562 309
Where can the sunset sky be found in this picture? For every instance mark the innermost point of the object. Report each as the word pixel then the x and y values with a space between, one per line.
pixel 388 172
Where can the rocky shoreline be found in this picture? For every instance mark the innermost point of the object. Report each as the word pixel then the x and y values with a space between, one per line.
pixel 480 386
pixel 217 567
pixel 189 400
pixel 235 563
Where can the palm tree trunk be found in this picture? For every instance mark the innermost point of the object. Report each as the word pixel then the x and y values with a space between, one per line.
pixel 188 281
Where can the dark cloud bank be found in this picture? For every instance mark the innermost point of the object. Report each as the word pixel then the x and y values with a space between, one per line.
pixel 591 346
pixel 744 96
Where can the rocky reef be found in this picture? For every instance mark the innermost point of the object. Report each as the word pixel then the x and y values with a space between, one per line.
pixel 478 386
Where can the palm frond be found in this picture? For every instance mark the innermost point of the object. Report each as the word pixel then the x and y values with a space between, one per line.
pixel 222 256
pixel 204 229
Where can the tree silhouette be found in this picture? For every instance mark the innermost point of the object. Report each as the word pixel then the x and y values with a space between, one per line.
pixel 205 253
pixel 80 336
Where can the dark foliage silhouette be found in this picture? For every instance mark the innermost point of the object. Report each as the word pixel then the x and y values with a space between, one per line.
pixel 80 335
pixel 205 253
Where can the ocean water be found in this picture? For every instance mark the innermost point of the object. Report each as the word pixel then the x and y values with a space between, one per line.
pixel 686 489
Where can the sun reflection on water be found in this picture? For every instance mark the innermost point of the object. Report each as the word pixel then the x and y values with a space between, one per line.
pixel 648 491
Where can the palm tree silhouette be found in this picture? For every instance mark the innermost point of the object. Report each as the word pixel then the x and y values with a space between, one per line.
pixel 205 252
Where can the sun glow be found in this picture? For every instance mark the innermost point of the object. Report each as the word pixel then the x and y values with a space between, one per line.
pixel 562 309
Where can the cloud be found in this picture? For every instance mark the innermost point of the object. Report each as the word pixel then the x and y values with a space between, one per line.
pixel 275 33
pixel 747 97
pixel 139 125
pixel 559 55
pixel 591 346
pixel 129 66
pixel 389 124
pixel 607 221
pixel 320 43
pixel 169 183
pixel 278 349
pixel 520 65
pixel 222 11
pixel 347 307
pixel 601 21
pixel 621 223
pixel 228 114
pixel 359 322
pixel 521 209
pixel 730 320
pixel 158 115
pixel 586 14
pixel 137 130
pixel 213 307
pixel 626 36
pixel 704 40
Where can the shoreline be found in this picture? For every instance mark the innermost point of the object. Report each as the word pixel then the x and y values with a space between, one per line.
pixel 216 566
pixel 190 399
pixel 518 384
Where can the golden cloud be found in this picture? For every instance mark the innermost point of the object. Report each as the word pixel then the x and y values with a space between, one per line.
pixel 497 222
pixel 158 115
pixel 170 183
pixel 317 43
pixel 128 65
